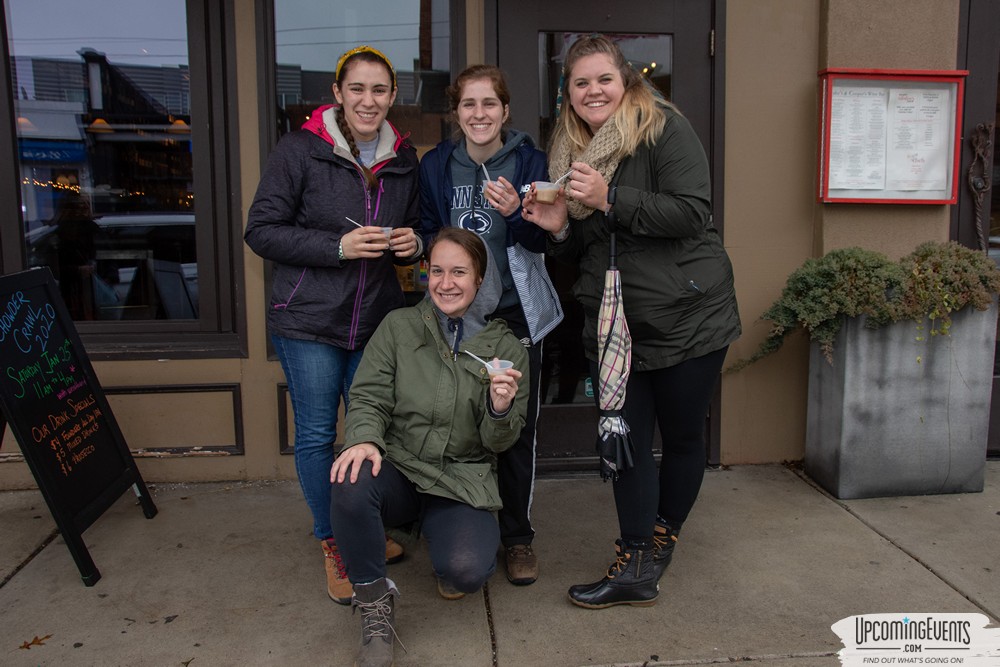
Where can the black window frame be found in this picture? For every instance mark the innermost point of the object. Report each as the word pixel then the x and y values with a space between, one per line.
pixel 219 332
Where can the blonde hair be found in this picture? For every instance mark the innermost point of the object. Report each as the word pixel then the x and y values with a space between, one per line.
pixel 639 118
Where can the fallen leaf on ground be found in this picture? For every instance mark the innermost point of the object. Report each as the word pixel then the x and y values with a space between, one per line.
pixel 37 641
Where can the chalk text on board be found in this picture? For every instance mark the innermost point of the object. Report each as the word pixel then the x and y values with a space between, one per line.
pixel 43 377
pixel 10 312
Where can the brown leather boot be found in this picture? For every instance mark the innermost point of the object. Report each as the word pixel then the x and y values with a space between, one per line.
pixel 522 564
pixel 377 602
pixel 337 586
pixel 393 551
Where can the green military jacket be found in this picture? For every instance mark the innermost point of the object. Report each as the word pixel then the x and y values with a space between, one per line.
pixel 426 410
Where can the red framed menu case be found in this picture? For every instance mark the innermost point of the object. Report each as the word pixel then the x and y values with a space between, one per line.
pixel 890 136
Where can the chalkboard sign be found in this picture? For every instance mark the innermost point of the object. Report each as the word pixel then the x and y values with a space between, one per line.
pixel 57 411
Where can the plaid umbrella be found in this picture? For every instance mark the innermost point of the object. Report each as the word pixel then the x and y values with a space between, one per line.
pixel 614 444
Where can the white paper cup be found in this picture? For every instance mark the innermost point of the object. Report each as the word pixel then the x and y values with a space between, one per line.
pixel 498 366
pixel 546 192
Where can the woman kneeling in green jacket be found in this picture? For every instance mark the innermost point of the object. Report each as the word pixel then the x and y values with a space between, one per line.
pixel 425 425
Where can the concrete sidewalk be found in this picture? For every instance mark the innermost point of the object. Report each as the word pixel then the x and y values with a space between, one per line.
pixel 228 574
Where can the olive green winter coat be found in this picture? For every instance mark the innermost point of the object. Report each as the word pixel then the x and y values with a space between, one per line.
pixel 427 410
pixel 677 281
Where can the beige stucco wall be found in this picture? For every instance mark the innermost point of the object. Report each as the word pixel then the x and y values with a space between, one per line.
pixel 774 50
pixel 770 164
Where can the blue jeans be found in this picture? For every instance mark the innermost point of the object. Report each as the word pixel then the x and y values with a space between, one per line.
pixel 318 375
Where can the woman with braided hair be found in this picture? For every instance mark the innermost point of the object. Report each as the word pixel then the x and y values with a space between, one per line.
pixel 631 150
pixel 324 199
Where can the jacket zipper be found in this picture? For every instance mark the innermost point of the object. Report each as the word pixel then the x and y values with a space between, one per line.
pixel 360 293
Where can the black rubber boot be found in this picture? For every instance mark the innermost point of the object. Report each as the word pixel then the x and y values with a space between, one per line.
pixel 631 579
pixel 664 539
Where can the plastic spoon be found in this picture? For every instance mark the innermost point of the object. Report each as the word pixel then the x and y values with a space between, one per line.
pixel 496 367
pixel 487 172
pixel 559 180
pixel 479 359
pixel 353 222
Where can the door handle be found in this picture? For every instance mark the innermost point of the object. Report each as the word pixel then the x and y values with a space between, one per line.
pixel 978 180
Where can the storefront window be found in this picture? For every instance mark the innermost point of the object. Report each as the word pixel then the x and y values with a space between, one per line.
pixel 102 97
pixel 310 35
pixel 416 38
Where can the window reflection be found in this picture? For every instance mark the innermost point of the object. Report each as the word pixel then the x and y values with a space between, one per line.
pixel 415 37
pixel 104 140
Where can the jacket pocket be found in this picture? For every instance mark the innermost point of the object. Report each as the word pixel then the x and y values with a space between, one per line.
pixel 474 482
pixel 657 301
pixel 287 283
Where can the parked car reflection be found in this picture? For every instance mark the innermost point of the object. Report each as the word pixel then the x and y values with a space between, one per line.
pixel 131 266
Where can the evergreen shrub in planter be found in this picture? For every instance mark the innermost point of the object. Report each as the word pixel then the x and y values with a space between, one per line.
pixel 900 367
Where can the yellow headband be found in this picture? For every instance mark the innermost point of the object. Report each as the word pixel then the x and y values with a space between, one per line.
pixel 365 49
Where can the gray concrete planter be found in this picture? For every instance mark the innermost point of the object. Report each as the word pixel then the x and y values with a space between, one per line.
pixel 897 416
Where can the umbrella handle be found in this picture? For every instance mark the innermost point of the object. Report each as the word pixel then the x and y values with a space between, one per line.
pixel 609 215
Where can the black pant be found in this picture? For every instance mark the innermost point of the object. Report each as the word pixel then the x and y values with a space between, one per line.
pixel 462 540
pixel 516 466
pixel 677 399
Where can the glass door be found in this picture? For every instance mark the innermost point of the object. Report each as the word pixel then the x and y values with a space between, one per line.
pixel 670 43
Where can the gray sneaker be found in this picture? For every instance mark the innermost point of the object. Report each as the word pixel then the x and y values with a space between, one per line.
pixel 522 564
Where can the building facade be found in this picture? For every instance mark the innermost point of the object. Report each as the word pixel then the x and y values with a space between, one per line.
pixel 132 149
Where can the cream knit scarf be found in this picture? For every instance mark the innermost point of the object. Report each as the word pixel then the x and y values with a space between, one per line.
pixel 601 154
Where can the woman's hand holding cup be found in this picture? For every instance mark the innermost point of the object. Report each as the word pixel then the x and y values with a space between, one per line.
pixel 365 243
pixel 403 241
pixel 549 216
pixel 502 195
pixel 503 385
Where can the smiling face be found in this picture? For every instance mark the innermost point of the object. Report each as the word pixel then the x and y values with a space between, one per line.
pixel 365 94
pixel 481 116
pixel 453 280
pixel 596 89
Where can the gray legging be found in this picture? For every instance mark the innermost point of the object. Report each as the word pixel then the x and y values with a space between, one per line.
pixel 461 539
